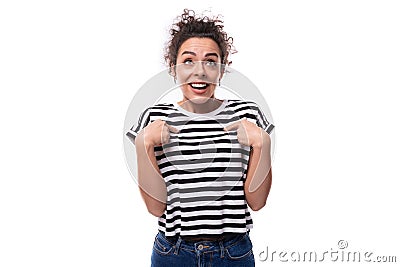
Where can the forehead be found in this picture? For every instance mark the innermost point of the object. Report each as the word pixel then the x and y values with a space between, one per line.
pixel 199 46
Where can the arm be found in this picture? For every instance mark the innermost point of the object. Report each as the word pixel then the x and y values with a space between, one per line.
pixel 151 184
pixel 259 174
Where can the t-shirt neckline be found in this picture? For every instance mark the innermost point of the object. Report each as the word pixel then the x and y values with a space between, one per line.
pixel 211 113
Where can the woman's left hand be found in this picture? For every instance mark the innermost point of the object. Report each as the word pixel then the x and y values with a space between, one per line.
pixel 248 133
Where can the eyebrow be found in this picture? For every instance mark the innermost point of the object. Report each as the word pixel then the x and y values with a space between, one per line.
pixel 211 54
pixel 194 54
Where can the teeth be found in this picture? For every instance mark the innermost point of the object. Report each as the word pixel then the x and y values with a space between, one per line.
pixel 199 85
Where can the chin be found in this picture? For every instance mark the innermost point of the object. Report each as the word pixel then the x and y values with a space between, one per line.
pixel 199 99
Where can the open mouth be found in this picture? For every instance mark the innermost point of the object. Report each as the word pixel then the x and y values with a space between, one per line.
pixel 199 87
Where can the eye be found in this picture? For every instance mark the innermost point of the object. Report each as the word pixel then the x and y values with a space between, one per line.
pixel 211 63
pixel 188 61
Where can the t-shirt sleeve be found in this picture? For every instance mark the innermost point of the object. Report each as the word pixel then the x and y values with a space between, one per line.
pixel 262 120
pixel 143 121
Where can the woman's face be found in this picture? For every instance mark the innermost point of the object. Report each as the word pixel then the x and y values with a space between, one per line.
pixel 198 69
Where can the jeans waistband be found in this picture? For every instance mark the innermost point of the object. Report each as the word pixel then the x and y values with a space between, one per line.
pixel 221 237
pixel 226 241
pixel 224 248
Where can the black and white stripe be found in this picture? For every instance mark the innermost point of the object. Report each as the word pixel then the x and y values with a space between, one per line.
pixel 204 168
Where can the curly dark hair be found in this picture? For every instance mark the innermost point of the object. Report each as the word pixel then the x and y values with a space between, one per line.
pixel 189 25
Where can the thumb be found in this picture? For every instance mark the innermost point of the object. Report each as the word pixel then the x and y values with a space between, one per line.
pixel 232 126
pixel 171 128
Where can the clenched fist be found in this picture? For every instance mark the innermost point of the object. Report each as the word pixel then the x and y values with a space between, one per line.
pixel 157 133
pixel 249 134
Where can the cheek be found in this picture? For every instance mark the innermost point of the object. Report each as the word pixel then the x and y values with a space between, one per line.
pixel 212 88
pixel 183 75
pixel 185 87
pixel 183 72
pixel 213 76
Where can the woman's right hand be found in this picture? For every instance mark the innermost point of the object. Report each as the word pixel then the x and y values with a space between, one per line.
pixel 157 133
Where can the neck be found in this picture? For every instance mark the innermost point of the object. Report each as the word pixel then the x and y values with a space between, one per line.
pixel 206 107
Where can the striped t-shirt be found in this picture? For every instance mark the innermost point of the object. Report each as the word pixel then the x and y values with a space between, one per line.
pixel 204 167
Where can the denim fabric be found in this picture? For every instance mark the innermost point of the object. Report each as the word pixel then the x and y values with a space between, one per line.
pixel 236 252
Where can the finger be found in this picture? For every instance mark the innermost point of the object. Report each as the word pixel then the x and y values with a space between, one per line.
pixel 171 128
pixel 233 126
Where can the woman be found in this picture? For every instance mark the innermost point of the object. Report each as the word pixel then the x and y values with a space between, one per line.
pixel 202 161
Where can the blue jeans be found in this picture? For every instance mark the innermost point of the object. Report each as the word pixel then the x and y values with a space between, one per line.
pixel 236 252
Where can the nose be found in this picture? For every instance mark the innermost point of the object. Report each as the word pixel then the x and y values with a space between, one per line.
pixel 199 69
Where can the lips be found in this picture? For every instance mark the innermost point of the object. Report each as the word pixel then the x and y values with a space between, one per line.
pixel 199 87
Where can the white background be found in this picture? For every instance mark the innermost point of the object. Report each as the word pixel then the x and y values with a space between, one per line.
pixel 329 71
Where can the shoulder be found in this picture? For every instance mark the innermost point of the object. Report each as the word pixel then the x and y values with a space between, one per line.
pixel 159 111
pixel 240 105
pixel 160 107
pixel 240 109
